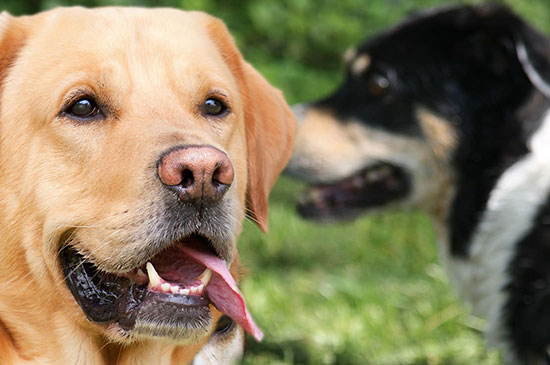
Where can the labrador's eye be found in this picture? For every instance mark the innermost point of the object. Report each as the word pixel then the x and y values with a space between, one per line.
pixel 224 325
pixel 378 85
pixel 83 108
pixel 214 107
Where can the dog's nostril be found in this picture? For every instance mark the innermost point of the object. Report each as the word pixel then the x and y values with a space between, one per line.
pixel 197 173
pixel 187 178
pixel 223 174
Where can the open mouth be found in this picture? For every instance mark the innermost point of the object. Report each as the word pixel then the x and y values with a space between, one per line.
pixel 371 187
pixel 168 297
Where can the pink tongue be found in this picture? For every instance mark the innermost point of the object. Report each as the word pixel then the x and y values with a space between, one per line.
pixel 223 291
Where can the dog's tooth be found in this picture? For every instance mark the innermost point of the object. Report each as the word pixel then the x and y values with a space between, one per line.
pixel 141 274
pixel 314 195
pixel 184 291
pixel 193 290
pixel 206 276
pixel 154 278
pixel 165 287
pixel 373 175
pixel 175 289
pixel 385 170
pixel 200 289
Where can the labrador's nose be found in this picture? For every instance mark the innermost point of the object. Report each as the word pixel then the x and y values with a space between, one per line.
pixel 198 174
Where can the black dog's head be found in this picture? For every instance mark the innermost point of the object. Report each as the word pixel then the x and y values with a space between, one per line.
pixel 444 101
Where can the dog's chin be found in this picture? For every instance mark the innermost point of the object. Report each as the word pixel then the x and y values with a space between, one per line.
pixel 135 305
pixel 366 190
pixel 174 318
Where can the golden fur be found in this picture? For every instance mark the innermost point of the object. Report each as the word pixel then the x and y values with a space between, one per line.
pixel 150 68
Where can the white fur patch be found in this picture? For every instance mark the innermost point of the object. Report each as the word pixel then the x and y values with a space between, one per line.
pixel 510 212
pixel 225 351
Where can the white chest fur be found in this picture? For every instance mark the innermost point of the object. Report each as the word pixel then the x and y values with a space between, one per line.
pixel 510 213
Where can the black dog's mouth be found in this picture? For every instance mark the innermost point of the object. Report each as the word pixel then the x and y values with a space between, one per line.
pixel 371 187
pixel 168 297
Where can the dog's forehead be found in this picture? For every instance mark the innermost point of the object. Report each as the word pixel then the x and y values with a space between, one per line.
pixel 147 43
pixel 107 31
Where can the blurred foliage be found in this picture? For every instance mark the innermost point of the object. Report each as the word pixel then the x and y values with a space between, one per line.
pixel 298 44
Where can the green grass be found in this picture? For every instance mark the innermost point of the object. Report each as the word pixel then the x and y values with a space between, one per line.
pixel 364 292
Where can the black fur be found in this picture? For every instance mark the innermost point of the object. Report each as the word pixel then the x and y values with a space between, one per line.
pixel 461 64
pixel 528 307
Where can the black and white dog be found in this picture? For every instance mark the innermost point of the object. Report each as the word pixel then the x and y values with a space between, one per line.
pixel 449 111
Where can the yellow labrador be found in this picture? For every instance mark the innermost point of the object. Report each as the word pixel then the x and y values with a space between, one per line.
pixel 132 143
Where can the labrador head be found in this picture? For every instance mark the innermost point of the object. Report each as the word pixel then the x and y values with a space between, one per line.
pixel 132 143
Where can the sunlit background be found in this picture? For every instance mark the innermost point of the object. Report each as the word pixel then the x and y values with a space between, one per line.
pixel 366 292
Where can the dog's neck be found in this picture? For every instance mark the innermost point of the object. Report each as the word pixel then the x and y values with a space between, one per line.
pixel 87 350
pixel 150 352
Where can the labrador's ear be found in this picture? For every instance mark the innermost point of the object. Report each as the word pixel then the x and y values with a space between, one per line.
pixel 8 352
pixel 12 38
pixel 269 123
pixel 270 127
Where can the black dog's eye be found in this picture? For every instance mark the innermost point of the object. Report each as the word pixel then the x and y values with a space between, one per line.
pixel 224 325
pixel 378 84
pixel 214 107
pixel 83 108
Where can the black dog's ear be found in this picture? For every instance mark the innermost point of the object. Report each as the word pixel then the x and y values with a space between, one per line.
pixel 496 39
pixel 530 47
pixel 533 51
